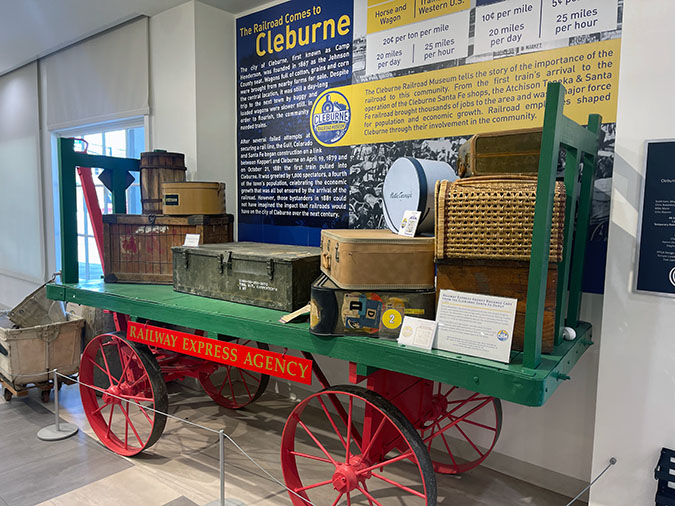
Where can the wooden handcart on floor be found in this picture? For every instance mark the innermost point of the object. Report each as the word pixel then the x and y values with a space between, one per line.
pixel 373 442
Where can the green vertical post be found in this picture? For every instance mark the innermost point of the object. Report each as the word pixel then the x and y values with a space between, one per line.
pixel 583 219
pixel 541 231
pixel 571 184
pixel 119 199
pixel 68 207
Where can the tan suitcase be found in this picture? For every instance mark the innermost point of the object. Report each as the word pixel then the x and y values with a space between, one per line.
pixel 496 153
pixel 195 197
pixel 377 259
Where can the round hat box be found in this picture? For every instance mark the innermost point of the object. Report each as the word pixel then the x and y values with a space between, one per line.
pixel 409 186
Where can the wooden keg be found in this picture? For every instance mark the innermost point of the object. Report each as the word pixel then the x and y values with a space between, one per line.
pixel 159 167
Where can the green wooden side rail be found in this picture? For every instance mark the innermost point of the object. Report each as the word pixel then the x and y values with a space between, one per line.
pixel 579 143
pixel 512 382
pixel 530 378
pixel 69 160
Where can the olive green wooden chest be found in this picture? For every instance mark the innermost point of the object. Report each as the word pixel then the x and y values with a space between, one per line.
pixel 276 276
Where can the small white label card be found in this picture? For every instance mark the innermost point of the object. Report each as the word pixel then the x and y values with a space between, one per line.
pixel 476 325
pixel 191 240
pixel 417 332
pixel 409 223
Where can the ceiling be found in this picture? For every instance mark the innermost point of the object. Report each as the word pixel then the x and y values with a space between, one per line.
pixel 30 29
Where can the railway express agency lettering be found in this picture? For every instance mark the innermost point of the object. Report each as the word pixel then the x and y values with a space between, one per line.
pixel 267 42
pixel 245 357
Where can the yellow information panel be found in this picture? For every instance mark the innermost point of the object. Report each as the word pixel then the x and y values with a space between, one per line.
pixel 393 13
pixel 490 96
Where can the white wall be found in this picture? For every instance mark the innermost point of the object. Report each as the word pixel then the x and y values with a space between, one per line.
pixel 635 414
pixel 216 99
pixel 22 261
pixel 173 104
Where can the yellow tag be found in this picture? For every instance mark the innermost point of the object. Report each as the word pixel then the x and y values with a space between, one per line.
pixel 391 319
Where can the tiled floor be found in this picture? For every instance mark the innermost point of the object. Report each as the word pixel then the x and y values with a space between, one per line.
pixel 182 468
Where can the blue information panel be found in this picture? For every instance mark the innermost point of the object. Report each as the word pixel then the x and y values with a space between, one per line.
pixel 656 261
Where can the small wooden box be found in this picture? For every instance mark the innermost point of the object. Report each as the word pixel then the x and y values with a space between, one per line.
pixel 137 247
pixel 502 278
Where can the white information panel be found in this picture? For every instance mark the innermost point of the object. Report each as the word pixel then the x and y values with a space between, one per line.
pixel 431 41
pixel 517 23
pixel 476 325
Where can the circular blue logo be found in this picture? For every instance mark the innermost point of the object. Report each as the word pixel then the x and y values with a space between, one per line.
pixel 502 335
pixel 330 117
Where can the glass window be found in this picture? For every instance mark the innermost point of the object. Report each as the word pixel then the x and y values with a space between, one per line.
pixel 118 142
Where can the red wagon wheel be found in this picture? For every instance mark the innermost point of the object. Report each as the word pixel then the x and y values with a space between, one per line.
pixel 473 418
pixel 232 387
pixel 367 454
pixel 121 381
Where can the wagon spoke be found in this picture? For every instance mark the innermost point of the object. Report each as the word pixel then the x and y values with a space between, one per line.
pixel 312 457
pixel 396 484
pixel 403 456
pixel 220 390
pixel 110 420
pixel 133 428
pixel 456 419
pixel 366 492
pixel 330 419
pixel 98 410
pixel 372 439
pixel 102 369
pixel 229 380
pixel 105 361
pixel 447 446
pixel 258 379
pixel 469 440
pixel 349 499
pixel 349 427
pixel 482 426
pixel 245 385
pixel 135 398
pixel 338 498
pixel 318 443
pixel 314 485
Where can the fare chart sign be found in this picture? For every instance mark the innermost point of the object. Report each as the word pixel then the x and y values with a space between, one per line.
pixel 236 355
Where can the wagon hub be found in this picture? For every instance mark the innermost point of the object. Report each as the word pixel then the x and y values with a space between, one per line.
pixel 112 394
pixel 439 407
pixel 346 477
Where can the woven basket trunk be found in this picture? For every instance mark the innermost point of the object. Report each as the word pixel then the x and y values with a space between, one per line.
pixel 491 217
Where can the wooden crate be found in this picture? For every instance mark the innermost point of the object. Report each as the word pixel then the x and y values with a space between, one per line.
pixel 137 247
pixel 159 167
pixel 503 278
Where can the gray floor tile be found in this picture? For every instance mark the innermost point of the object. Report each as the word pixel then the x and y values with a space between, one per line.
pixel 32 471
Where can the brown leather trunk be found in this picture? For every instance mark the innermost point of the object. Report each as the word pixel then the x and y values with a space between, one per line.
pixel 502 278
pixel 377 259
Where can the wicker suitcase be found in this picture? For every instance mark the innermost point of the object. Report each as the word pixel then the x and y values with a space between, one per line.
pixel 509 152
pixel 503 278
pixel 137 247
pixel 492 218
pixel 276 276
pixel 377 260
pixel 338 312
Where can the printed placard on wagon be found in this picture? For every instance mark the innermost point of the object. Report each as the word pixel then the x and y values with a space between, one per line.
pixel 245 357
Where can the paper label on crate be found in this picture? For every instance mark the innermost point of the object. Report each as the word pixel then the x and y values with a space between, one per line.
pixel 409 223
pixel 417 332
pixel 191 240
pixel 476 325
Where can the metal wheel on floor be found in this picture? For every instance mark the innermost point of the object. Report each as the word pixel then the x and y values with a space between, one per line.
pixel 7 394
pixel 121 381
pixel 368 453
pixel 232 387
pixel 474 419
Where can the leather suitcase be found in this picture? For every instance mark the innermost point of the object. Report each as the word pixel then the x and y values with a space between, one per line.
pixel 377 260
pixel 276 276
pixel 498 153
pixel 338 312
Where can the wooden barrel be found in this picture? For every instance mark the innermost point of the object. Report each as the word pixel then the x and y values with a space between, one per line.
pixel 159 167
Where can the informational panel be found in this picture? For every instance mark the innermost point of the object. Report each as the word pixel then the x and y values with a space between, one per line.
pixel 332 93
pixel 656 252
